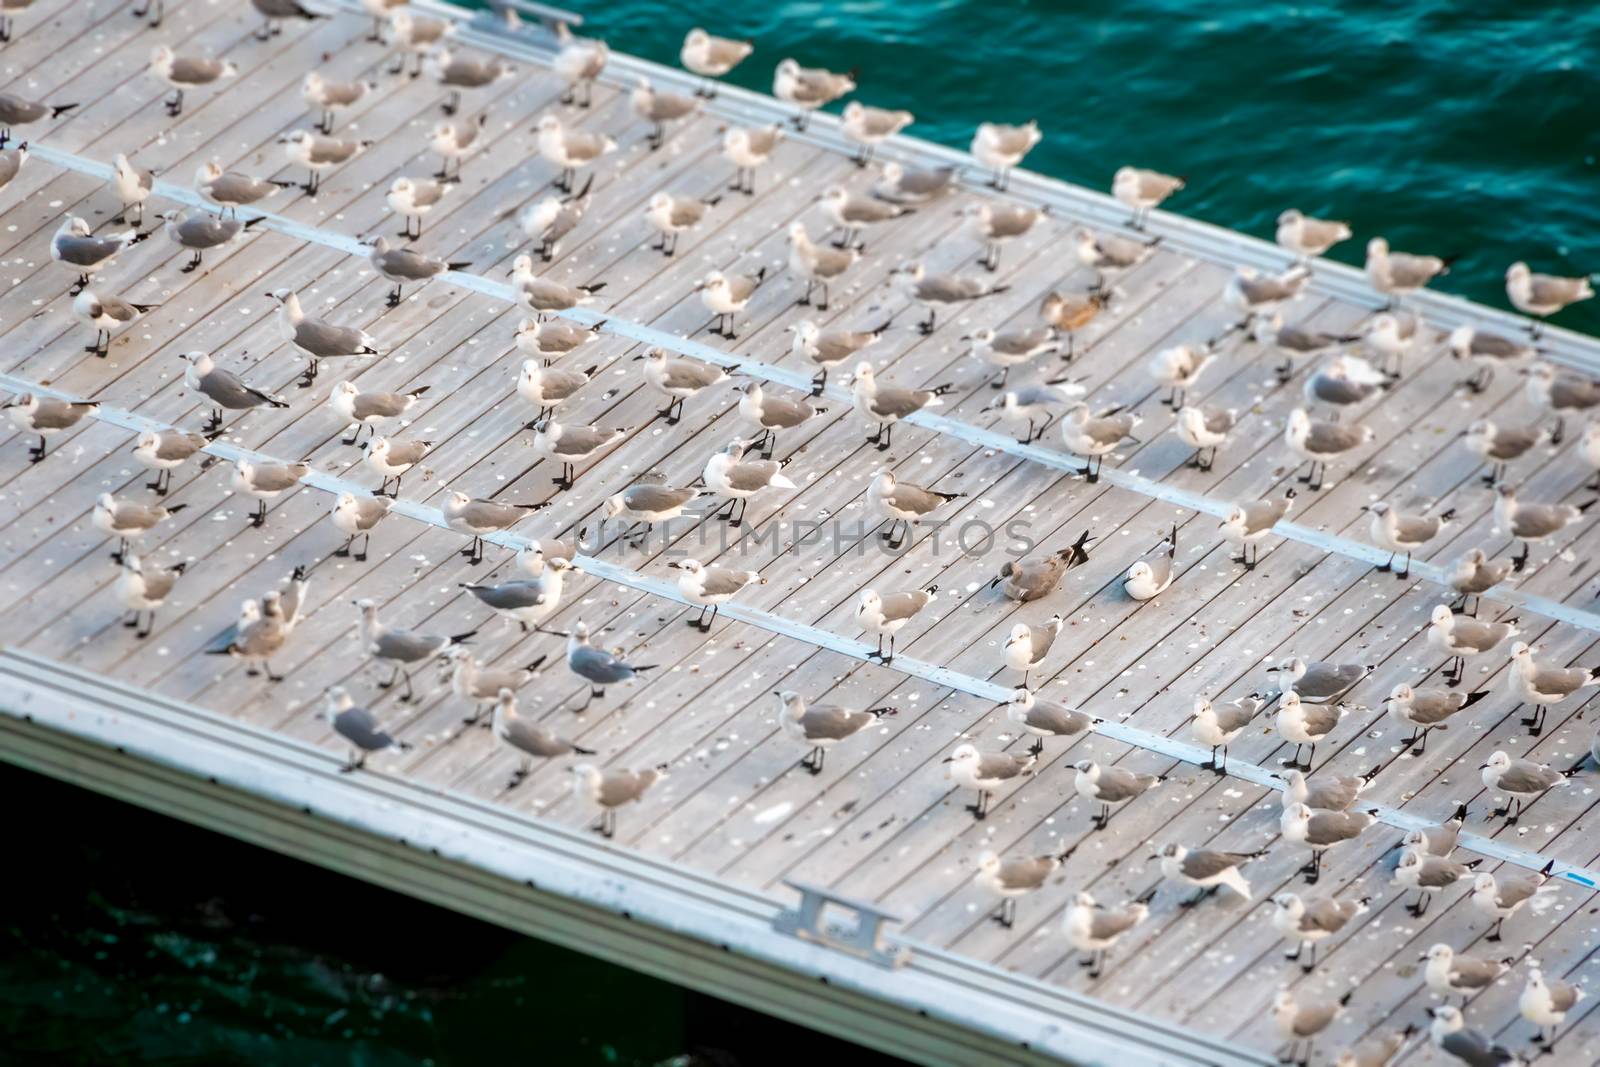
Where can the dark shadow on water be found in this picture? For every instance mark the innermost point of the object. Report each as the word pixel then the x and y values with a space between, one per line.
pixel 129 937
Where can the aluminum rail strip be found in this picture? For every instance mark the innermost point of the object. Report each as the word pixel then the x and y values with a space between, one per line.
pixel 824 639
pixel 555 883
pixel 1202 240
pixel 977 436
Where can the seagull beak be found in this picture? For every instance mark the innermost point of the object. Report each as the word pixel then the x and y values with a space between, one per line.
pixel 1483 767
pixel 948 759
pixel 673 565
pixel 994 583
pixel 1273 670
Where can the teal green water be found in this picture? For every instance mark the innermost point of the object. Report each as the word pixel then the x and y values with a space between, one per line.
pixel 1453 128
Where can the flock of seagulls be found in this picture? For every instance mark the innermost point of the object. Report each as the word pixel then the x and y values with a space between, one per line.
pixel 1307 702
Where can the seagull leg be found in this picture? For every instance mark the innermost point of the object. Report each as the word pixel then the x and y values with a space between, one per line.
pixel 1494 931
pixel 888 437
pixel 1535 722
pixel 925 327
pixel 151 625
pixel 1311 959
pixel 406 697
pixel 1521 560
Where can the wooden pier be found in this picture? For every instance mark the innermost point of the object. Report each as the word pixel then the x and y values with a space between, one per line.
pixel 700 871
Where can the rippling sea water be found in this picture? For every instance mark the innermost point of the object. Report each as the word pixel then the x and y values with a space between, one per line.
pixel 1450 128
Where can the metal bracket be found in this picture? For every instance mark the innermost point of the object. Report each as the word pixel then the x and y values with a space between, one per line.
pixel 863 937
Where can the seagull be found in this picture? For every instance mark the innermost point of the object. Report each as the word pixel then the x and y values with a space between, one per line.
pixel 1317 681
pixel 545 387
pixel 1143 190
pixel 1068 313
pixel 1205 430
pixel 1012 877
pixel 76 246
pixel 1545 1003
pixel 569 149
pixel 1522 780
pixel 412 198
pixel 133 185
pixel 580 62
pixel 528 738
pixel 985 772
pixel 934 291
pixel 1543 294
pixel 543 296
pixel 996 225
pixel 672 215
pixel 1460 638
pixel 1497 446
pixel 711 57
pixel 1562 393
pixel 380 10
pixel 366 410
pixel 821 265
pixel 359 726
pixel 1093 928
pixel 1399 274
pixel 1401 532
pixel 884 406
pixel 454 142
pixel 1472 1047
pixel 1044 718
pixel 770 413
pixel 230 190
pixel 1308 923
pixel 266 481
pixel 1438 840
pixel 1002 148
pixel 550 338
pixel 553 218
pixel 17 111
pixel 597 666
pixel 477 518
pixel 1532 523
pixel 887 614
pixel 1589 450
pixel 1427 875
pixel 1317 441
pixel 1108 251
pixel 1248 524
pixel 658 108
pixel 481 686
pixel 403 266
pixel 1474 574
pixel 1207 870
pixel 1304 724
pixel 1039 402
pixel 128 521
pixel 416 34
pixel 1110 786
pixel 901 186
pixel 1533 683
pixel 1034 577
pixel 331 96
pixel 852 212
pixel 1325 792
pixel 572 443
pixel 457 73
pixel 317 153
pixel 46 416
pixel 1489 351
pixel 400 647
pixel 1258 295
pixel 728 474
pixel 809 88
pixel 611 789
pixel 144 590
pixel 1344 381
pixel 1093 436
pixel 647 504
pixel 165 450
pixel 1427 710
pixel 678 379
pixel 1294 342
pixel 1027 646
pixel 749 149
pixel 725 295
pixel 1150 576
pixel 1300 1020
pixel 869 127
pixel 1503 898
pixel 259 635
pixel 827 349
pixel 900 502
pixel 185 72
pixel 1217 726
pixel 1320 831
pixel 224 389
pixel 1011 348
pixel 199 232
pixel 1392 335
pixel 276 11
pixel 318 338
pixel 711 587
pixel 1307 236
pixel 355 516
pixel 821 726
pixel 1450 972
pixel 1179 368
pixel 527 602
